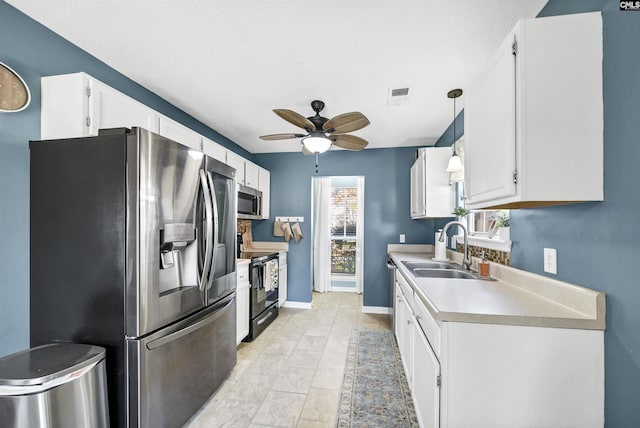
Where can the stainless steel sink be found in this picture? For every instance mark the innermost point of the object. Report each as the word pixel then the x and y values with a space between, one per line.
pixel 429 265
pixel 443 273
pixel 433 269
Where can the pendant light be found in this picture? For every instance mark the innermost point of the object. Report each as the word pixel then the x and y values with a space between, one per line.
pixel 455 163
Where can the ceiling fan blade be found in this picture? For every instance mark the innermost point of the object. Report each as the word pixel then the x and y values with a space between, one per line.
pixel 349 142
pixel 347 122
pixel 296 119
pixel 306 151
pixel 280 136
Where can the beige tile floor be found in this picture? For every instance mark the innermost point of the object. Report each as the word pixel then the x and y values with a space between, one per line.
pixel 290 376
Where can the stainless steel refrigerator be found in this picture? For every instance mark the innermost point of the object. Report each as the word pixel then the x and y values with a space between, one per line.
pixel 132 247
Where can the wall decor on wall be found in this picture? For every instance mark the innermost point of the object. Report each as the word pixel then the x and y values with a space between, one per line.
pixel 14 92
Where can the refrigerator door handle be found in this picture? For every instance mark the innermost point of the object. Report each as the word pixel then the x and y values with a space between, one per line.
pixel 214 205
pixel 208 252
pixel 185 331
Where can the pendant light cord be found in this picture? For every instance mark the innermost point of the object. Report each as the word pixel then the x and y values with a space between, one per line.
pixel 455 152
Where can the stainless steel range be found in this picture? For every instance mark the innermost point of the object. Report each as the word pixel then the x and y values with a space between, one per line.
pixel 263 302
pixel 133 249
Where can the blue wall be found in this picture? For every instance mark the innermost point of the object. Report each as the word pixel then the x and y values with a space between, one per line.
pixel 599 243
pixel 33 51
pixel 387 211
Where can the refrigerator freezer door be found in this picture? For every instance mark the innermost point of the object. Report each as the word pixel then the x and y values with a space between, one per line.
pixel 175 370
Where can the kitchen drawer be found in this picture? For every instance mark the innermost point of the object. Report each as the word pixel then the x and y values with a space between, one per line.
pixel 406 289
pixel 428 325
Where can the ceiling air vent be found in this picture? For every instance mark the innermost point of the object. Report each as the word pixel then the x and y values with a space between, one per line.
pixel 398 96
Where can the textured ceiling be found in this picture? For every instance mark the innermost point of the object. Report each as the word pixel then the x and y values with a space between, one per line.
pixel 228 63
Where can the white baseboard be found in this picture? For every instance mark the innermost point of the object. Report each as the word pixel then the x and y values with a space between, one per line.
pixel 297 305
pixel 344 289
pixel 376 310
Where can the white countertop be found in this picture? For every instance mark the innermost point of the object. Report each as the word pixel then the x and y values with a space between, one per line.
pixel 269 246
pixel 515 298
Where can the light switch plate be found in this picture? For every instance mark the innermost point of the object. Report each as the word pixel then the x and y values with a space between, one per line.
pixel 402 238
pixel 551 261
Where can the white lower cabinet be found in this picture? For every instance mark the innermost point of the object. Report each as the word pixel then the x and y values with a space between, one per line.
pixel 282 279
pixel 425 388
pixel 420 363
pixel 398 316
pixel 406 349
pixel 242 302
pixel 499 376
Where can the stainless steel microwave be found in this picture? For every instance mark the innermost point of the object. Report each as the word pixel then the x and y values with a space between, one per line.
pixel 249 203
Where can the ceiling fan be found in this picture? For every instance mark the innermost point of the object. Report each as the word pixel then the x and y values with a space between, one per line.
pixel 323 132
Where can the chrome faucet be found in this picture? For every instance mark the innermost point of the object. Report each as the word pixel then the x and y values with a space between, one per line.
pixel 466 260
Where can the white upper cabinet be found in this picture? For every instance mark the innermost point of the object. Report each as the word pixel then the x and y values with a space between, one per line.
pixel 179 133
pixel 534 121
pixel 77 105
pixel 264 185
pixel 251 175
pixel 214 150
pixel 431 193
pixel 109 108
pixel 237 162
pixel 247 172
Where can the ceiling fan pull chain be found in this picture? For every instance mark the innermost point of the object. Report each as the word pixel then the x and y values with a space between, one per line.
pixel 316 163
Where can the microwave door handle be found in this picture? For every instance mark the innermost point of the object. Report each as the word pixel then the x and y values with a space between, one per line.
pixel 209 226
pixel 214 205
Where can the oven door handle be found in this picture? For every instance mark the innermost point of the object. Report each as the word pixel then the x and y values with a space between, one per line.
pixel 266 317
pixel 208 252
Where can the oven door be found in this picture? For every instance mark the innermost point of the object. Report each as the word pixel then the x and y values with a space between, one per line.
pixel 261 298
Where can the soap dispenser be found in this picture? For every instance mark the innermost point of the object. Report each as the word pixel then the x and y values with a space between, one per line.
pixel 483 266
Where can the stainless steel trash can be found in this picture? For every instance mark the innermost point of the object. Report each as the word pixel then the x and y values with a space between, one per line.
pixel 59 385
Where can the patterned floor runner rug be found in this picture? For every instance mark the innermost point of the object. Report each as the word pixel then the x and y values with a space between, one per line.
pixel 374 391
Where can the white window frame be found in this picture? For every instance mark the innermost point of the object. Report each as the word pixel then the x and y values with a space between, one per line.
pixel 357 277
pixel 478 239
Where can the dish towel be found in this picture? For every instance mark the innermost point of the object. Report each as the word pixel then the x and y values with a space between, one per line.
pixel 277 228
pixel 286 228
pixel 297 232
pixel 266 277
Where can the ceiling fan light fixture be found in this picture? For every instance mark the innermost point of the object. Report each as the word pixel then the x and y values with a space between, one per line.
pixel 317 143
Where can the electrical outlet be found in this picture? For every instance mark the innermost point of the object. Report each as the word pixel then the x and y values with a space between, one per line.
pixel 402 238
pixel 551 261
